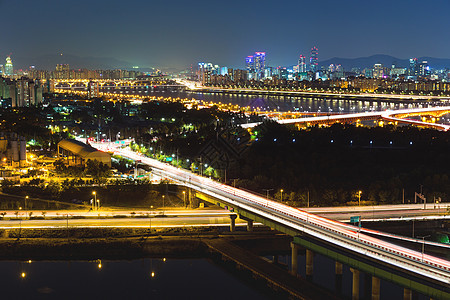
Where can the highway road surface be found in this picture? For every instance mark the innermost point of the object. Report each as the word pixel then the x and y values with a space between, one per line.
pixel 340 234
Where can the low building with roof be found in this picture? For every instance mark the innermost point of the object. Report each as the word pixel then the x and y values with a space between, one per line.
pixel 77 153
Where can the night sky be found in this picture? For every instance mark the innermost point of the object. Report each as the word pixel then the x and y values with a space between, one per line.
pixel 177 33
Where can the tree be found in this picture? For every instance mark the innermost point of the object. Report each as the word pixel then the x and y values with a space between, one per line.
pixel 97 169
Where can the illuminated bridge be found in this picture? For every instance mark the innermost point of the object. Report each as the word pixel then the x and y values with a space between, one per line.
pixel 346 244
pixel 394 116
pixel 83 84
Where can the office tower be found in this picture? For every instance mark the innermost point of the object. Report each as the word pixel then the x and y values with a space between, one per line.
pixel 9 70
pixel 424 69
pixel 314 60
pixel 255 65
pixel 249 63
pixel 302 64
pixel 260 64
pixel 413 69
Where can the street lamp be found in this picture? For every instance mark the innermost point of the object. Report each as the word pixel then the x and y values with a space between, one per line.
pixel 184 198
pixel 359 198
pixel 150 217
pixel 26 198
pixel 423 243
pixel 281 195
pixel 95 200
pixel 163 203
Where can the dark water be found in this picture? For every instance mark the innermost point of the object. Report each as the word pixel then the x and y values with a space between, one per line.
pixel 173 279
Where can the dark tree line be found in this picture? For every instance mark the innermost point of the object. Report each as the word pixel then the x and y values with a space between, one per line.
pixel 333 164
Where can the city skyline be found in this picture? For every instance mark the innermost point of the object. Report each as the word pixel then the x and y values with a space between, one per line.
pixel 152 34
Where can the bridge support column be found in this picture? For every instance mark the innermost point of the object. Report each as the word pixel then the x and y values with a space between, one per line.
pixel 338 278
pixel 233 223
pixel 309 262
pixel 275 259
pixel 338 268
pixel 249 225
pixel 375 288
pixel 407 294
pixel 355 285
pixel 294 259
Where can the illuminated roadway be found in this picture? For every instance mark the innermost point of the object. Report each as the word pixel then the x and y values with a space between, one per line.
pixel 156 221
pixel 337 233
pixel 389 116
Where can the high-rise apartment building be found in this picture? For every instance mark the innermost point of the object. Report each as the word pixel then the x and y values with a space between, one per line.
pixel 314 60
pixel 62 71
pixel 378 71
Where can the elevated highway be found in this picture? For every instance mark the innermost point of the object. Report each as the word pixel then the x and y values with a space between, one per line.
pixel 428 274
pixel 395 116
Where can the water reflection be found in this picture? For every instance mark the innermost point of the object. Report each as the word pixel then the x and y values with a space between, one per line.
pixel 125 279
pixel 302 104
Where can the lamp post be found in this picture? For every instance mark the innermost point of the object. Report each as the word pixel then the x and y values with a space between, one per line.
pixel 281 195
pixel 26 198
pixel 267 192
pixel 184 198
pixel 163 203
pixel 150 217
pixel 95 200
pixel 423 243
pixel 359 198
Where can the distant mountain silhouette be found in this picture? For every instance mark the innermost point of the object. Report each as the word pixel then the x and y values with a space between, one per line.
pixel 48 62
pixel 386 60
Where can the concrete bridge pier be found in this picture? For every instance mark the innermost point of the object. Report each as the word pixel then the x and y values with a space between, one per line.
pixel 249 225
pixel 407 294
pixel 338 278
pixel 294 258
pixel 233 223
pixel 309 263
pixel 338 268
pixel 355 284
pixel 375 288
pixel 275 259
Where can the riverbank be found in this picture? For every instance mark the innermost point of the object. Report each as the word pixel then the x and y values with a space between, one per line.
pixel 88 244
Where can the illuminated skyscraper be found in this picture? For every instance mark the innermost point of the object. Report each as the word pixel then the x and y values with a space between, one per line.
pixel 314 60
pixel 9 70
pixel 249 63
pixel 256 65
pixel 413 67
pixel 424 69
pixel 302 64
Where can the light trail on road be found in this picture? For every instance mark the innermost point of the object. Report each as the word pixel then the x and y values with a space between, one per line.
pixel 337 233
